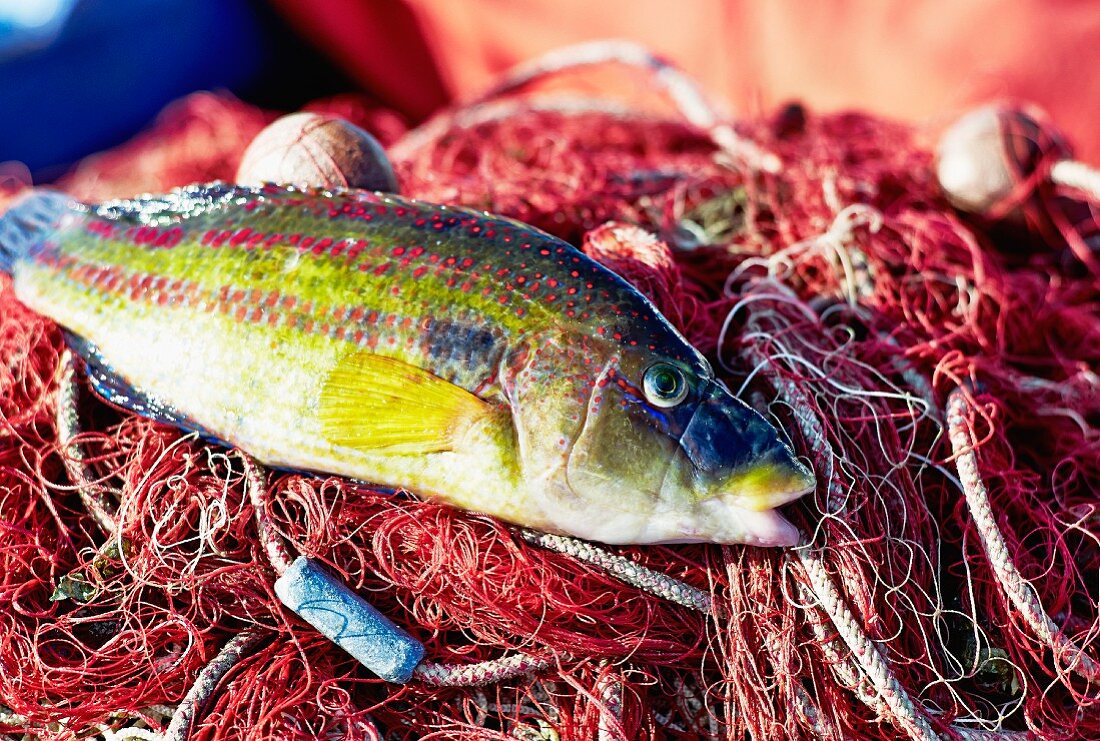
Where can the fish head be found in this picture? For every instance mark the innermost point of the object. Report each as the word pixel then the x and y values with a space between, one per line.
pixel 664 453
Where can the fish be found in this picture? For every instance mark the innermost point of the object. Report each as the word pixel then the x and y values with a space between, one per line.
pixel 453 354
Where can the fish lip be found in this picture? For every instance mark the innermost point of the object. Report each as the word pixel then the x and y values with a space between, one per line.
pixel 733 524
pixel 794 494
pixel 796 481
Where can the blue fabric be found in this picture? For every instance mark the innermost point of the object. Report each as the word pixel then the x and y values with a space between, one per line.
pixel 109 68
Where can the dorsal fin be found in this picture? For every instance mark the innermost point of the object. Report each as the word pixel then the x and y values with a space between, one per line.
pixel 192 200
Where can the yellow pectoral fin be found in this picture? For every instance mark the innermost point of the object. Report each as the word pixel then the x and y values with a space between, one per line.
pixel 371 402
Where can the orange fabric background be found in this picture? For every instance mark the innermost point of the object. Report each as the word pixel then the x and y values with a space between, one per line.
pixel 920 61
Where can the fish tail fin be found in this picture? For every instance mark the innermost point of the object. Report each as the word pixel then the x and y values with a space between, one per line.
pixel 27 223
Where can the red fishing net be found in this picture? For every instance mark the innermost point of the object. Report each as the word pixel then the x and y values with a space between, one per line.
pixel 943 383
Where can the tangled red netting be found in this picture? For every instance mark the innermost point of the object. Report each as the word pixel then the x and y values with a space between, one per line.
pixel 943 383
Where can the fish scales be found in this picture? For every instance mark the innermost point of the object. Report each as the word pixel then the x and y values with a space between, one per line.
pixel 363 268
pixel 466 356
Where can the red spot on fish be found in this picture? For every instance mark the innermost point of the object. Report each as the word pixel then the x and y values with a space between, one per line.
pixel 398 251
pixel 416 251
pixel 396 290
pixel 600 330
pixel 466 286
pixel 381 269
pixel 170 238
pixel 419 272
pixel 240 236
pixel 520 311
pixel 240 313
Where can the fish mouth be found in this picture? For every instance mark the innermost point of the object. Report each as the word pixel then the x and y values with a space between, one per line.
pixel 722 521
pixel 741 455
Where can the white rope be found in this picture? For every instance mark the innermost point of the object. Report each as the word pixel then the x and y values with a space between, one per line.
pixel 866 654
pixel 481 673
pixel 180 726
pixel 92 494
pixel 256 483
pixel 1018 590
pixel 1077 175
pixel 625 570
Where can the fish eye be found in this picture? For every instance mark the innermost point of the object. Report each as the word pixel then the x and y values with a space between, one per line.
pixel 664 385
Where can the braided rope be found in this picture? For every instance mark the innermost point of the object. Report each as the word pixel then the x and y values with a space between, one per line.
pixel 475 675
pixel 257 494
pixel 609 727
pixel 682 90
pixel 625 570
pixel 839 657
pixel 810 713
pixel 180 726
pixel 92 495
pixel 1018 590
pixel 911 719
